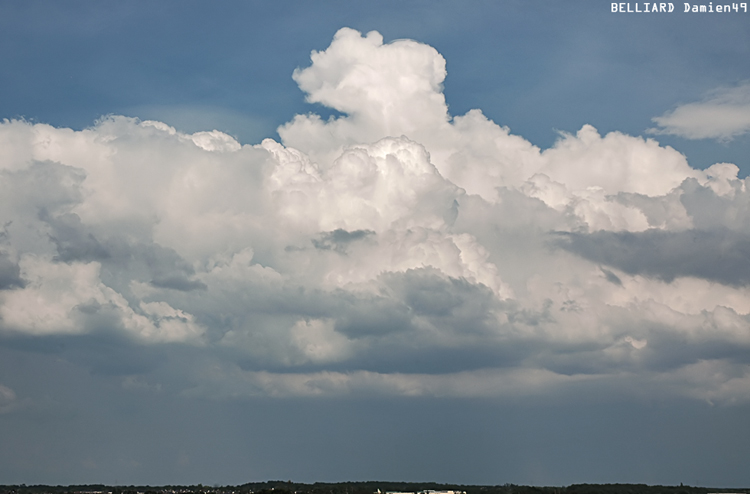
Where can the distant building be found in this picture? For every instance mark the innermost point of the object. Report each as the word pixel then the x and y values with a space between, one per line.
pixel 441 492
pixel 423 492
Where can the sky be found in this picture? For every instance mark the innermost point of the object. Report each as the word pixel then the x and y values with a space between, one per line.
pixel 477 242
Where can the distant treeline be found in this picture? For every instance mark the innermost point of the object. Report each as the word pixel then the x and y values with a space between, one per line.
pixel 281 487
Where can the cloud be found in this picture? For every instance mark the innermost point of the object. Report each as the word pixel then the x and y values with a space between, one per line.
pixel 394 249
pixel 10 273
pixel 716 255
pixel 723 114
pixel 396 89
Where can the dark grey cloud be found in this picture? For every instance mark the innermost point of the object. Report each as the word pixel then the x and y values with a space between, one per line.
pixel 150 262
pixel 719 255
pixel 461 316
pixel 430 293
pixel 711 210
pixel 161 266
pixel 72 240
pixel 178 282
pixel 419 321
pixel 611 277
pixel 362 317
pixel 339 239
pixel 10 273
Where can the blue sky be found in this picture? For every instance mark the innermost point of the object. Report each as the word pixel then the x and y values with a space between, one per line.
pixel 223 260
pixel 537 69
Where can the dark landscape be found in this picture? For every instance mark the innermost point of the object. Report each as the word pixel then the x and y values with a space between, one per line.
pixel 282 487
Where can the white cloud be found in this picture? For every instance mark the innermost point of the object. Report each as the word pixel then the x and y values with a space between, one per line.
pixel 394 250
pixel 69 298
pixel 404 97
pixel 723 115
pixel 54 292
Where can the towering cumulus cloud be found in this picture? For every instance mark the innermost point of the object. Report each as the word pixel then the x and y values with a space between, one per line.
pixel 395 249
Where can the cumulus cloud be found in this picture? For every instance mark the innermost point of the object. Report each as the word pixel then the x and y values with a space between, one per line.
pixel 723 114
pixel 396 89
pixel 395 249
